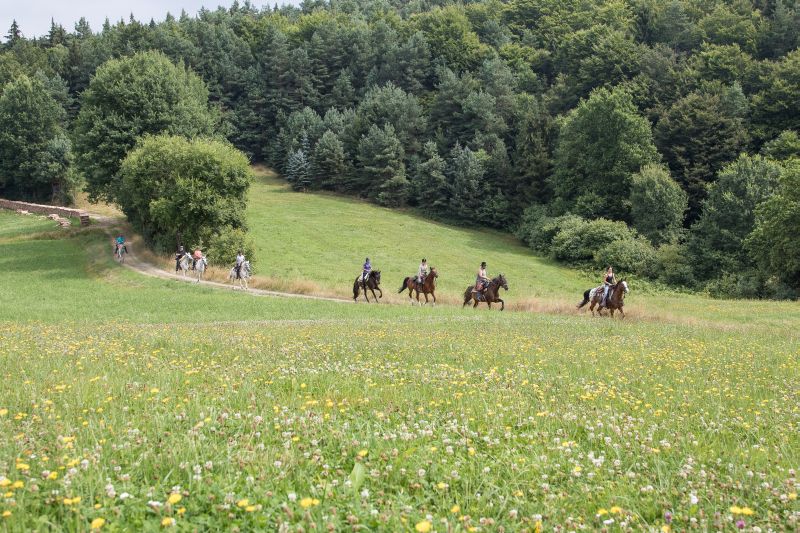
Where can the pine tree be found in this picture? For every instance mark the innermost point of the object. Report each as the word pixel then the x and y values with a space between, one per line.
pixel 328 162
pixel 297 170
pixel 382 172
pixel 14 34
pixel 429 184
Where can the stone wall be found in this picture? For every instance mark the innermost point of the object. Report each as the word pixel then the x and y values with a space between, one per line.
pixel 46 210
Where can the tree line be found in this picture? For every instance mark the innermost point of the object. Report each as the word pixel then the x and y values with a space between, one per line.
pixel 657 136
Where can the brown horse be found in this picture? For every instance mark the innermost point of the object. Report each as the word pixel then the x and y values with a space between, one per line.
pixel 616 298
pixel 427 287
pixel 372 282
pixel 490 295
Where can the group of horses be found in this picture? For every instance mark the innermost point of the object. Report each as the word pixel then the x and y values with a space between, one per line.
pixel 200 265
pixel 490 294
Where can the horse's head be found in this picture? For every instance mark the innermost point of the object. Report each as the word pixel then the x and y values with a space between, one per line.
pixel 624 286
pixel 377 275
pixel 434 273
pixel 501 280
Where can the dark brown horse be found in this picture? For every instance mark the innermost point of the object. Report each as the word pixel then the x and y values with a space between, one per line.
pixel 616 298
pixel 490 295
pixel 426 288
pixel 372 282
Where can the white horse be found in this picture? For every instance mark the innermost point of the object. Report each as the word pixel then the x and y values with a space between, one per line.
pixel 200 268
pixel 184 264
pixel 245 273
pixel 119 252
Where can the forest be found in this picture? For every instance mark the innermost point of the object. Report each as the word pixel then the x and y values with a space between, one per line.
pixel 657 136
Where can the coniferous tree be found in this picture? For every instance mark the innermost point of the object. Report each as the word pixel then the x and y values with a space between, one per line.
pixel 328 165
pixel 381 171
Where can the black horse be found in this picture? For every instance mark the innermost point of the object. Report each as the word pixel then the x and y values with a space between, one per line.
pixel 372 283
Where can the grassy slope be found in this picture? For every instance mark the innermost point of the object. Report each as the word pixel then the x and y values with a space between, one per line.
pixel 514 403
pixel 325 238
pixel 321 240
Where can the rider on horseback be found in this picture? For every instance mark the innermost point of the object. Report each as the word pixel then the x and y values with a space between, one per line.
pixel 608 281
pixel 120 242
pixel 197 255
pixel 238 265
pixel 482 279
pixel 366 270
pixel 422 273
pixel 178 256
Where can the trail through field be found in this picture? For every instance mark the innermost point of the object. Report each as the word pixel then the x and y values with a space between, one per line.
pixel 140 265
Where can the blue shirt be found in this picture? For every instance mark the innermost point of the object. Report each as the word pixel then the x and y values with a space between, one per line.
pixel 367 266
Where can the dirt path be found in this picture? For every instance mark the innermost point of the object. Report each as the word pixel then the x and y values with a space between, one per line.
pixel 148 269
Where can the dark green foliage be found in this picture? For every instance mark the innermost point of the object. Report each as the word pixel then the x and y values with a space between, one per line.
pixel 224 246
pixel 127 98
pixel 179 191
pixel 328 163
pixel 715 242
pixel 658 204
pixel 35 154
pixel 631 255
pixel 697 136
pixel 774 244
pixel 429 182
pixel 775 107
pixel 602 143
pixel 381 172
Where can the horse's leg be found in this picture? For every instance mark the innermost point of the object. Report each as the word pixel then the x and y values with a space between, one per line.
pixel 425 294
pixel 379 290
pixel 621 312
pixel 433 295
pixel 502 303
pixel 374 297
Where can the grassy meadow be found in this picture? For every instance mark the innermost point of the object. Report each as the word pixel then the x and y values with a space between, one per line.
pixel 133 403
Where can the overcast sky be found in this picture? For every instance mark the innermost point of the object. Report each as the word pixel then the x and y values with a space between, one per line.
pixel 33 16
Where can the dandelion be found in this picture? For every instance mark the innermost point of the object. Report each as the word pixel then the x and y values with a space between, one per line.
pixel 244 502
pixel 168 522
pixel 174 498
pixel 305 503
pixel 97 523
pixel 6 514
pixel 455 509
pixel 423 526
pixel 615 510
pixel 363 453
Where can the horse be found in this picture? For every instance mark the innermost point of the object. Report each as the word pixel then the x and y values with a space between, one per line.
pixel 120 251
pixel 426 287
pixel 184 264
pixel 200 268
pixel 490 295
pixel 372 283
pixel 616 298
pixel 244 275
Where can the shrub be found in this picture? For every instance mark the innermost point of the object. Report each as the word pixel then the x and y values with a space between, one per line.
pixel 634 254
pixel 223 247
pixel 537 229
pixel 672 266
pixel 578 242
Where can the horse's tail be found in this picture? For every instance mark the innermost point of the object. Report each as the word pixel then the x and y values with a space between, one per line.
pixel 585 298
pixel 403 286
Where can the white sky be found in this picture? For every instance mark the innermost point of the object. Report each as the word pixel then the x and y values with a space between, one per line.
pixel 33 16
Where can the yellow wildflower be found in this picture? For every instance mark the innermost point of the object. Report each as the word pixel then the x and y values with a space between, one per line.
pixel 615 510
pixel 168 522
pixel 455 509
pixel 3 411
pixel 363 453
pixel 601 512
pixel 423 527
pixel 5 482
pixel 174 498
pixel 243 503
pixel 97 523
pixel 6 514
pixel 305 503
pixel 793 496
pixel 18 484
pixel 250 508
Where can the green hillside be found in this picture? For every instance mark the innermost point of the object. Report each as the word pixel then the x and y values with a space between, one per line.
pixel 324 238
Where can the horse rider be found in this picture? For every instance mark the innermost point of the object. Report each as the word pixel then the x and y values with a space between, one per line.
pixel 238 265
pixel 197 255
pixel 422 273
pixel 120 242
pixel 180 254
pixel 608 281
pixel 366 269
pixel 482 279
